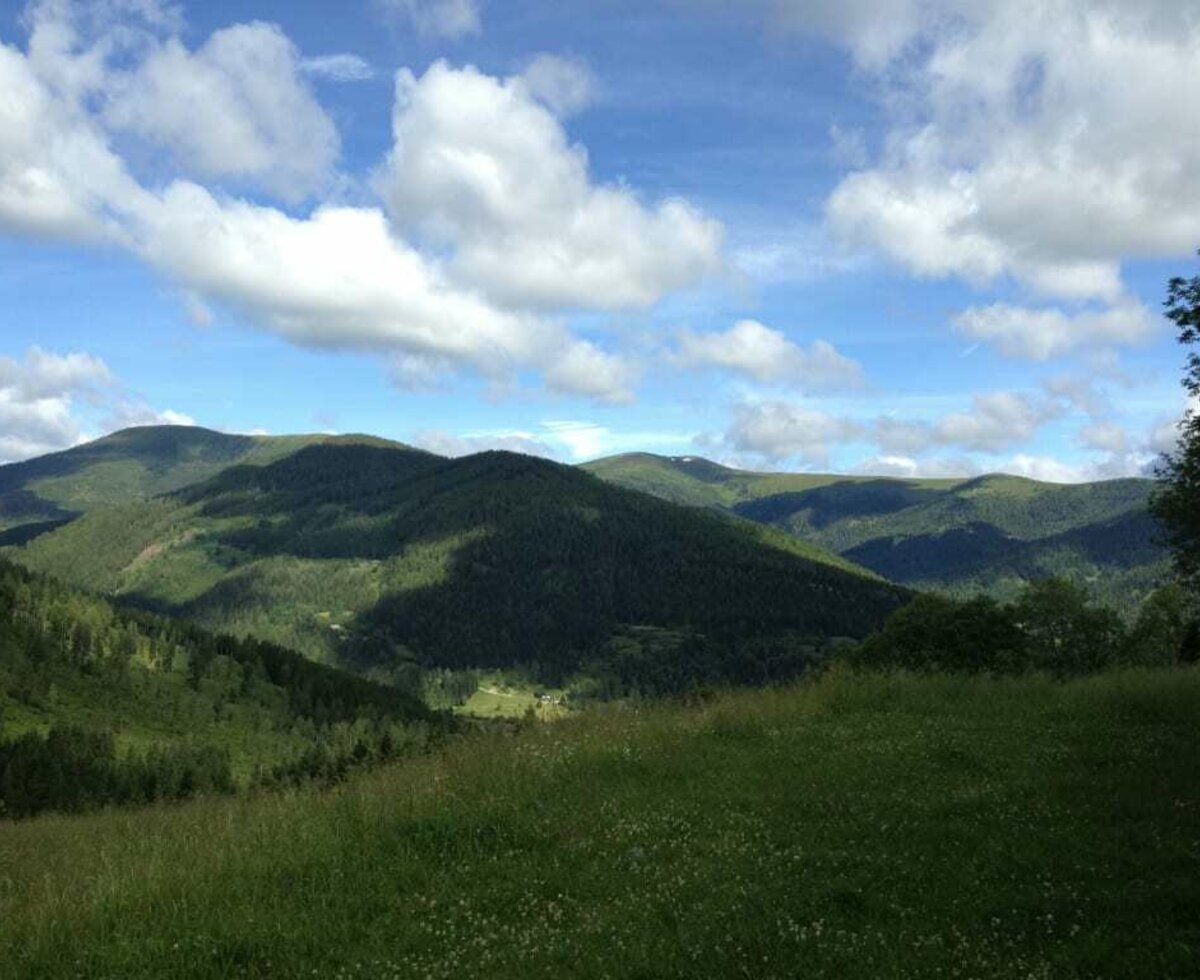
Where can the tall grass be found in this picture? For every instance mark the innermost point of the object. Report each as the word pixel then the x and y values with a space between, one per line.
pixel 859 826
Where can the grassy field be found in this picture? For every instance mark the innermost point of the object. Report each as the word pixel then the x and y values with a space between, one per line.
pixel 860 826
pixel 496 699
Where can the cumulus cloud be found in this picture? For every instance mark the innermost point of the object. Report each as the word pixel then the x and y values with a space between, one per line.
pixel 1104 436
pixel 585 369
pixel 483 167
pixel 1040 334
pixel 449 444
pixel 133 411
pixel 995 421
pixel 906 467
pixel 37 394
pixel 1041 141
pixel 236 107
pixel 338 67
pixel 40 395
pixel 564 84
pixel 781 430
pixel 1165 433
pixel 58 176
pixel 47 375
pixel 767 355
pixel 335 276
pixel 437 18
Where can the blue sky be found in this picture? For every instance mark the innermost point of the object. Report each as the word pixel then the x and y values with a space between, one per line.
pixel 786 234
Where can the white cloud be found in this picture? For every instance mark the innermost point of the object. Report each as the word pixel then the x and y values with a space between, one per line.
pixel 448 444
pixel 781 430
pixel 1112 467
pixel 40 396
pixel 36 400
pixel 1044 141
pixel 57 175
pixel 1164 434
pixel 437 18
pixel 1104 436
pixel 906 467
pixel 901 437
pixel 236 107
pixel 336 277
pixel 131 412
pixel 482 167
pixel 579 440
pixel 1080 393
pixel 342 67
pixel 767 355
pixel 995 421
pixel 47 375
pixel 585 369
pixel 564 84
pixel 1040 334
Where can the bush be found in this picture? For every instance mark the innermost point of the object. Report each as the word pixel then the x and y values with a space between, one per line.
pixel 1051 626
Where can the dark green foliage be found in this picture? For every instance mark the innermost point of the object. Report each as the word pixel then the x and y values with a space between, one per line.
pixel 1051 626
pixel 496 560
pixel 1165 631
pixel 1176 504
pixel 936 633
pixel 567 561
pixel 651 663
pixel 990 533
pixel 1064 633
pixel 81 670
pixel 70 769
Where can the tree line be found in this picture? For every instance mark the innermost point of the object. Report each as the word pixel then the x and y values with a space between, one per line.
pixel 76 670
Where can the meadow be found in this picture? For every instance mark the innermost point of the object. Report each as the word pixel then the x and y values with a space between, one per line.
pixel 859 825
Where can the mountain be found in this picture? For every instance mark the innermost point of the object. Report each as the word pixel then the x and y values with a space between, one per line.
pixel 989 533
pixel 101 705
pixel 133 464
pixel 378 557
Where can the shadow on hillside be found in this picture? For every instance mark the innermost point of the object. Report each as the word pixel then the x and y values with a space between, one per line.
pixel 566 560
pixel 833 502
pixel 978 547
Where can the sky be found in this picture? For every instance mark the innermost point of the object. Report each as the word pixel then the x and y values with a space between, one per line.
pixel 926 237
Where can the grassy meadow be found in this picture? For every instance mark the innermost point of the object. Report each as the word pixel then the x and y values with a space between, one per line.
pixel 856 826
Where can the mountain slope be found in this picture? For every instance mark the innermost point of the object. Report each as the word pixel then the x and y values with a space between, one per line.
pixel 375 557
pixel 132 464
pixel 140 701
pixel 990 533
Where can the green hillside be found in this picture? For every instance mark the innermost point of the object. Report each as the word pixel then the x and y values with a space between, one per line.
pixel 378 557
pixel 990 533
pixel 120 691
pixel 133 464
pixel 858 827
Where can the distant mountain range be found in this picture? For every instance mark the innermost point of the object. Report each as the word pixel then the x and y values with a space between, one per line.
pixel 988 533
pixel 375 556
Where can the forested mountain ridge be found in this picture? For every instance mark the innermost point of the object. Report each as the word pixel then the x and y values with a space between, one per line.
pixel 133 464
pixel 100 704
pixel 990 533
pixel 380 557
